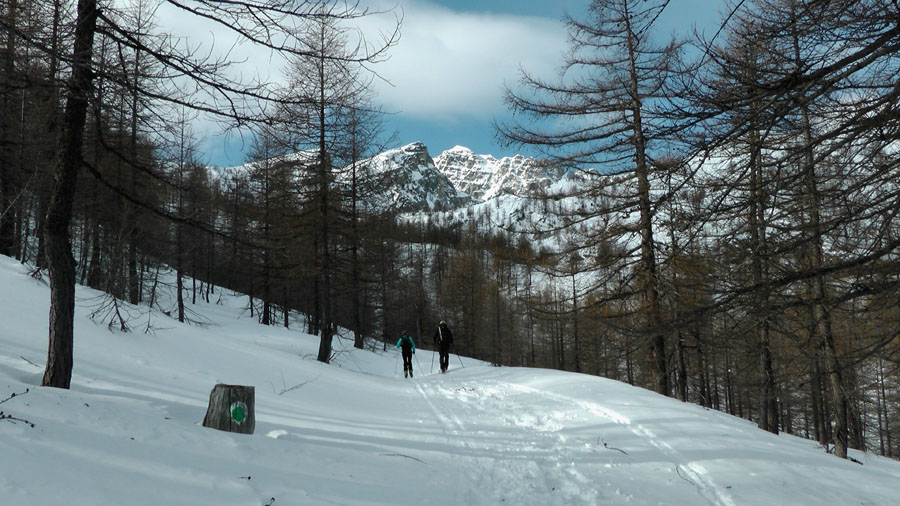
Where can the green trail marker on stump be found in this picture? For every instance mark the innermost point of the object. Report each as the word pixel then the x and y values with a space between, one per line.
pixel 238 412
pixel 231 409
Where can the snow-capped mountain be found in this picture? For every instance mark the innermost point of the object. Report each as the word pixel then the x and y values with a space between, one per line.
pixel 457 180
pixel 459 187
pixel 410 181
pixel 485 177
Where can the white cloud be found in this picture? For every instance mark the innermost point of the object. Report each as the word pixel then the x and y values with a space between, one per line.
pixel 447 64
pixel 450 64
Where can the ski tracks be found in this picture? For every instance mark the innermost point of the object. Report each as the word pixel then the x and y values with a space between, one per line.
pixel 454 429
pixel 691 471
pixel 523 460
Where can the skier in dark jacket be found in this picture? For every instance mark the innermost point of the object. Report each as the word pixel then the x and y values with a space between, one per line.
pixel 408 347
pixel 443 338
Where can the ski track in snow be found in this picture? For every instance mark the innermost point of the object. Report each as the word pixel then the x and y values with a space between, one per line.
pixel 516 465
pixel 453 428
pixel 693 472
pixel 515 474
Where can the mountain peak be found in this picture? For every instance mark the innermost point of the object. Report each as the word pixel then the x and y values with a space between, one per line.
pixel 413 182
pixel 415 147
pixel 485 177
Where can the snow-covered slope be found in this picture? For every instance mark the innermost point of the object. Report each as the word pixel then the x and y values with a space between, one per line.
pixel 356 433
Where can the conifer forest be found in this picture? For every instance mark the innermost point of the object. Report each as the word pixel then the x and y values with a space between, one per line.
pixel 731 237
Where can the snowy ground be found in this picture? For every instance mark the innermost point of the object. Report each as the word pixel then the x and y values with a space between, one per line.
pixel 357 433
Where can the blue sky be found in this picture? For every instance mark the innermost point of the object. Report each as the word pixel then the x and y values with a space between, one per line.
pixel 448 70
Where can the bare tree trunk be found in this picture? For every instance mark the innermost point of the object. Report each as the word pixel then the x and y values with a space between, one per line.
pixel 327 335
pixel 657 342
pixel 703 364
pixel 8 169
pixel 94 268
pixel 884 407
pixel 356 282
pixel 682 367
pixel 574 321
pixel 681 375
pixel 52 132
pixel 286 307
pixel 179 291
pixel 132 274
pixel 821 313
pixel 768 413
pixel 60 263
pixel 835 378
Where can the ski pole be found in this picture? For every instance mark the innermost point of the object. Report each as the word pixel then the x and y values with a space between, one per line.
pixel 457 355
pixel 432 361
pixel 418 364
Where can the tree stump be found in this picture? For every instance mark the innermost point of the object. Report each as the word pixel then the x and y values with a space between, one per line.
pixel 231 409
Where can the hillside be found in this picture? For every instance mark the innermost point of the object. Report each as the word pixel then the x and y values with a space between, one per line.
pixel 356 433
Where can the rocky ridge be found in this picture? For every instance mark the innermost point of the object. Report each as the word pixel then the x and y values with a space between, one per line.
pixel 485 177
pixel 409 182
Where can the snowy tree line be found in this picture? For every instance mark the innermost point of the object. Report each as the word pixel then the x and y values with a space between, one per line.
pixel 751 251
pixel 741 246
pixel 100 91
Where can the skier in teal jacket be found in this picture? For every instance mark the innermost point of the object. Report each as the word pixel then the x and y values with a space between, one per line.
pixel 408 347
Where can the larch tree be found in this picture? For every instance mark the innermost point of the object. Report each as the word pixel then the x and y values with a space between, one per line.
pixel 818 102
pixel 739 188
pixel 328 89
pixel 607 115
pixel 218 91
